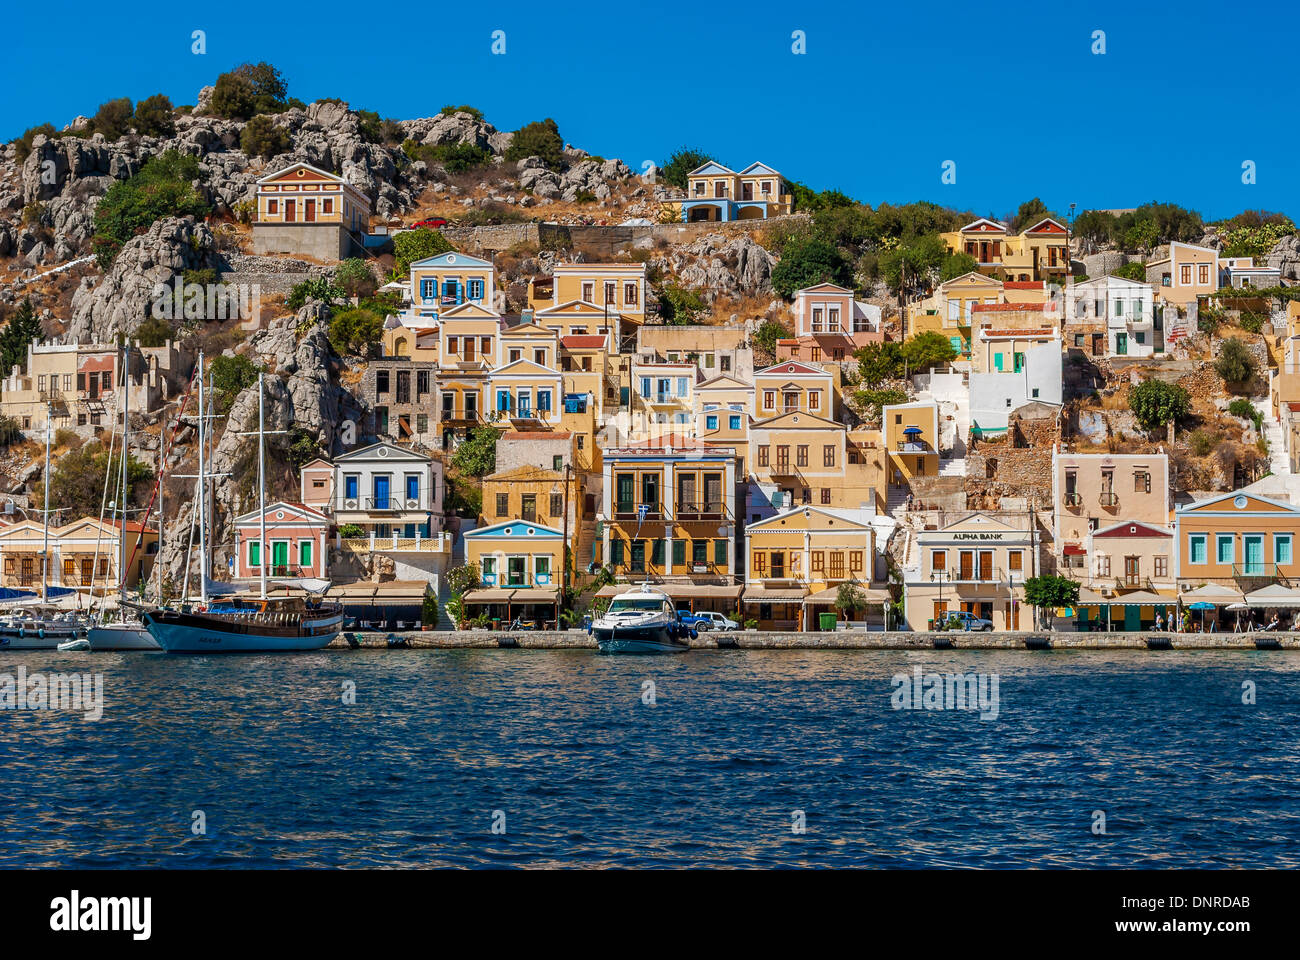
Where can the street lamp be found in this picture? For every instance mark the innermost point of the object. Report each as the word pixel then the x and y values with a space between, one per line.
pixel 941 577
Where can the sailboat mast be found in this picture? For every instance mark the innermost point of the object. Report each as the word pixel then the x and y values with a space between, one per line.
pixel 261 481
pixel 45 548
pixel 162 442
pixel 203 499
pixel 126 452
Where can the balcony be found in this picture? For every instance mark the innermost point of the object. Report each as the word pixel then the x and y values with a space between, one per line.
pixel 702 511
pixel 1073 500
pixel 438 543
pixel 1108 498
pixel 632 511
pixel 1255 570
pixel 913 446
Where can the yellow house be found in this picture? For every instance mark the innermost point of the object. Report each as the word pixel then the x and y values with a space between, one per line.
pixel 577 318
pixel 417 343
pixel 520 568
pixel 469 337
pixel 83 554
pixel 618 288
pixel 534 495
pixel 1238 540
pixel 525 391
pixel 302 193
pixel 792 386
pixel 303 209
pixel 715 193
pixel 797 561
pixel 669 512
pixel 530 341
pixel 1190 271
pixel 1040 252
pixel 449 280
pixel 663 397
pixel 911 436
pixel 803 459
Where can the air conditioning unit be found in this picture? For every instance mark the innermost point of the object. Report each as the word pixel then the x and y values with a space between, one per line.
pixel 412 504
pixel 349 504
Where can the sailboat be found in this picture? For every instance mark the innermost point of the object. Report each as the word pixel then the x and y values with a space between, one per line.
pixel 243 625
pixel 125 634
pixel 44 630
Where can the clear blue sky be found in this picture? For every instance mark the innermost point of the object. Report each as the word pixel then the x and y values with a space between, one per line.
pixel 885 93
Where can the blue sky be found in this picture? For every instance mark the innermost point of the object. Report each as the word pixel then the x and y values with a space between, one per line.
pixel 884 95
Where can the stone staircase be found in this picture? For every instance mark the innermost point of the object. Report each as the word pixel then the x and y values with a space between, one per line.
pixel 444 594
pixel 1277 458
pixel 896 501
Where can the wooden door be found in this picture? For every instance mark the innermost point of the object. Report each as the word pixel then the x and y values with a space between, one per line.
pixel 309 211
pixel 290 211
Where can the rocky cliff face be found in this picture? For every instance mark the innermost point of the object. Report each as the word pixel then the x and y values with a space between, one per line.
pixel 301 394
pixel 722 266
pixel 123 296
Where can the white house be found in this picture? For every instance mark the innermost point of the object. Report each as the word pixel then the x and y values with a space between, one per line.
pixel 1035 378
pixel 1125 306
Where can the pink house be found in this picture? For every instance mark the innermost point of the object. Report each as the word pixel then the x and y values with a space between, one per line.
pixel 296 543
pixel 317 484
pixel 829 325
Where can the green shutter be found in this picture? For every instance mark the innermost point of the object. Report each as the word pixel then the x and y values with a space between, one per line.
pixel 304 553
pixel 679 553
pixel 657 553
pixel 720 552
pixel 616 552
pixel 254 553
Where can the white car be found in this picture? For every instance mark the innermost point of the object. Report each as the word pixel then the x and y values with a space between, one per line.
pixel 712 620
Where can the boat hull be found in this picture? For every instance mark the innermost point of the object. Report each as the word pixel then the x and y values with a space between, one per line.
pixel 117 637
pixel 38 637
pixel 638 640
pixel 195 633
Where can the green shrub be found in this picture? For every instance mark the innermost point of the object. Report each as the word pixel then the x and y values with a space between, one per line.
pixel 113 119
pixel 154 117
pixel 153 331
pixel 541 138
pixel 1156 403
pixel 1235 363
pixel 23 145
pixel 355 331
pixel 768 333
pixel 262 137
pixel 474 112
pixel 453 157
pixel 248 90
pixel 353 276
pixel 10 431
pixel 231 375
pixel 1202 441
pixel 477 456
pixel 807 262
pixel 412 245
pixel 323 289
pixel 681 163
pixel 161 189
pixel 678 305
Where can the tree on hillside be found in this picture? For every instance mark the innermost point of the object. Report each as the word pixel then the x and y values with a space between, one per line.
pixel 878 362
pixel 356 331
pixel 477 455
pixel 956 265
pixel 541 138
pixel 678 305
pixel 1133 270
pixel 912 264
pixel 926 350
pixel 1156 403
pixel 24 328
pixel 682 162
pixel 1235 363
pixel 77 480
pixel 113 119
pixel 263 137
pixel 247 90
pixel 162 188
pixel 412 245
pixel 768 333
pixel 355 278
pixel 1029 213
pixel 154 117
pixel 808 262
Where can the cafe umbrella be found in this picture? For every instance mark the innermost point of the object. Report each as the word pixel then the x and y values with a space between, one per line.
pixel 1202 606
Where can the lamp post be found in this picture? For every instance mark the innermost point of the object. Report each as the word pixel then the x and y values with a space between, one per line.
pixel 940 577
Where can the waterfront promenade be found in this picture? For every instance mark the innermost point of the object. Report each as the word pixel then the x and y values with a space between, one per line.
pixel 854 640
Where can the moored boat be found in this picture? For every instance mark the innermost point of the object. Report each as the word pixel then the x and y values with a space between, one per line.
pixel 641 620
pixel 246 626
pixel 121 636
pixel 40 632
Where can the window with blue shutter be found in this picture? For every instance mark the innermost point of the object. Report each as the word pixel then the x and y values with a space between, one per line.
pixel 503 401
pixel 681 386
pixel 711 423
pixel 476 289
pixel 735 423
pixel 544 400
pixel 645 387
pixel 428 289
pixel 350 486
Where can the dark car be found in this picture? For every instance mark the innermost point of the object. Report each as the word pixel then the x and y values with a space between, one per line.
pixel 961 620
pixel 433 223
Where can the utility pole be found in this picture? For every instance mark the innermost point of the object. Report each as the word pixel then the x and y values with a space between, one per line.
pixel 45 548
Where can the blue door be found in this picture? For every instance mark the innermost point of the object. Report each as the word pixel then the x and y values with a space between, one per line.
pixel 413 487
pixel 381 493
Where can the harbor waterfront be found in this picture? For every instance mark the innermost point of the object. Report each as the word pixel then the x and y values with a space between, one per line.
pixel 848 640
pixel 730 752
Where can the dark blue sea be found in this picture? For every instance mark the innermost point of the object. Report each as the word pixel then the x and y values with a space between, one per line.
pixel 561 755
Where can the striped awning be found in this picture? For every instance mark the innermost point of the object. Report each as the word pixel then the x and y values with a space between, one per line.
pixel 775 594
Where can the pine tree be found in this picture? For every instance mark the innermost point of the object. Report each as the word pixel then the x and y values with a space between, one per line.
pixel 24 328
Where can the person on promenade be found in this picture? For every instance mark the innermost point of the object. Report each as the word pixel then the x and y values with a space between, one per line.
pixel 1272 624
pixel 1160 622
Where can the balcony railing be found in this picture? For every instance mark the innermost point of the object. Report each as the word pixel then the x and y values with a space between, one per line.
pixel 626 510
pixel 701 511
pixel 1073 500
pixel 912 446
pixel 1256 569
pixel 1108 499
pixel 438 543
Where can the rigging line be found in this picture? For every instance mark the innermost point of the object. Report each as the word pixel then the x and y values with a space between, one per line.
pixel 158 483
pixel 103 504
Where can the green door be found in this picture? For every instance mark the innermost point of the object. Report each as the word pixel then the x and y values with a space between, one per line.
pixel 279 556
pixel 1121 344
pixel 1253 554
pixel 1132 617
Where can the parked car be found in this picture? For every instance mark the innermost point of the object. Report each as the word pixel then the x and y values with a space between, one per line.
pixel 962 620
pixel 432 223
pixel 708 620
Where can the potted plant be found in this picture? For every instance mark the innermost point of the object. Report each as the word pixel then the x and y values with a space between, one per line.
pixel 429 609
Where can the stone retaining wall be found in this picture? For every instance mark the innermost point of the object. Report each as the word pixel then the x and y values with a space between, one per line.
pixel 853 640
pixel 596 241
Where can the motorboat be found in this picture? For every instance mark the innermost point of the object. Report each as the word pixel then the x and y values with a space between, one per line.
pixel 641 620
pixel 129 635
pixel 27 631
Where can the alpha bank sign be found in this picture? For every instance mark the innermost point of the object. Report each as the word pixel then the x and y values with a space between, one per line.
pixel 977 536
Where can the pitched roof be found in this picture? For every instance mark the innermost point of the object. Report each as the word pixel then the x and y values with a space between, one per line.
pixel 584 341
pixel 1127 528
pixel 451 258
pixel 792 367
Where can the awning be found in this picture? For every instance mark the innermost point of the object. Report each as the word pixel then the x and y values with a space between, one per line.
pixel 361 591
pixel 1274 595
pixel 775 594
pixel 488 596
pixel 1213 593
pixel 1074 550
pixel 513 595
pixel 680 591
pixel 827 597
pixel 1140 598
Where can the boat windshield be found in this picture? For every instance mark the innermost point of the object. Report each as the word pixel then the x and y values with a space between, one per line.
pixel 636 605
